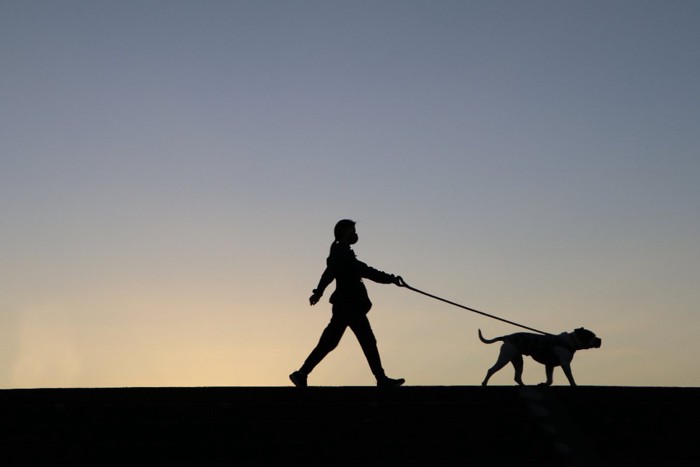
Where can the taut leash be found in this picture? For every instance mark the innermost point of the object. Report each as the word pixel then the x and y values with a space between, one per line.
pixel 402 283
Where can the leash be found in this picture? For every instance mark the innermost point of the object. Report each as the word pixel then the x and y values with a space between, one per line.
pixel 402 283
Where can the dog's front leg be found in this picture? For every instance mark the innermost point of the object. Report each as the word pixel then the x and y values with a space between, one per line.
pixel 567 371
pixel 565 356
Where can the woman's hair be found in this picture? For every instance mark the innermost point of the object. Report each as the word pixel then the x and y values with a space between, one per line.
pixel 341 227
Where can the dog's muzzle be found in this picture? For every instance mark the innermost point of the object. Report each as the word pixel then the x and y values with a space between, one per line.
pixel 597 343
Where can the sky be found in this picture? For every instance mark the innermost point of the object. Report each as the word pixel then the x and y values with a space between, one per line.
pixel 171 172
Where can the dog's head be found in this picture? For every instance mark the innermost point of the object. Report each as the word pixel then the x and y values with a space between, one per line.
pixel 586 339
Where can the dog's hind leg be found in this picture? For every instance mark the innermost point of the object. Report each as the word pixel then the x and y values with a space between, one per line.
pixel 506 355
pixel 517 362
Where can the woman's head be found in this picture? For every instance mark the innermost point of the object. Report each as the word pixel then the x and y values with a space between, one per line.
pixel 344 231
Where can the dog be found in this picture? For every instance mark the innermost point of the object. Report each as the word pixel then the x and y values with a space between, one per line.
pixel 549 350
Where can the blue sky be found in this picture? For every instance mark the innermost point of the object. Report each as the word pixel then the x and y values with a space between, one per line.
pixel 171 172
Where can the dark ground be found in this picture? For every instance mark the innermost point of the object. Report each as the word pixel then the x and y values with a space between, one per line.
pixel 494 426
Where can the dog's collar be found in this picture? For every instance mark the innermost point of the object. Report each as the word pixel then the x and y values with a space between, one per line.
pixel 570 342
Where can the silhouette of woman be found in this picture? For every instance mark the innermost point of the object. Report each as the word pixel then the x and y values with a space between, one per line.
pixel 350 305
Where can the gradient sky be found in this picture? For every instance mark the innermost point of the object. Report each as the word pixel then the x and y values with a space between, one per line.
pixel 171 171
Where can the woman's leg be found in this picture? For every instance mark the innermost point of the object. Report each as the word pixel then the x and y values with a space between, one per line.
pixel 329 340
pixel 363 331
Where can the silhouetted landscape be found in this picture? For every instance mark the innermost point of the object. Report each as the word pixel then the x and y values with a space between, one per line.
pixel 494 426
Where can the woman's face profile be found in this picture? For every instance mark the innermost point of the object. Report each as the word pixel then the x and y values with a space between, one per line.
pixel 350 236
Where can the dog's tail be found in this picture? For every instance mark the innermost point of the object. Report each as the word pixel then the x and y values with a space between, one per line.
pixel 488 341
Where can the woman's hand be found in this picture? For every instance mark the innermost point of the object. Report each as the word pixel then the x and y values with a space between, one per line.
pixel 398 280
pixel 313 299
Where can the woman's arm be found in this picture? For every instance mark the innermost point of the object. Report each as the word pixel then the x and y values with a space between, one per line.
pixel 376 275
